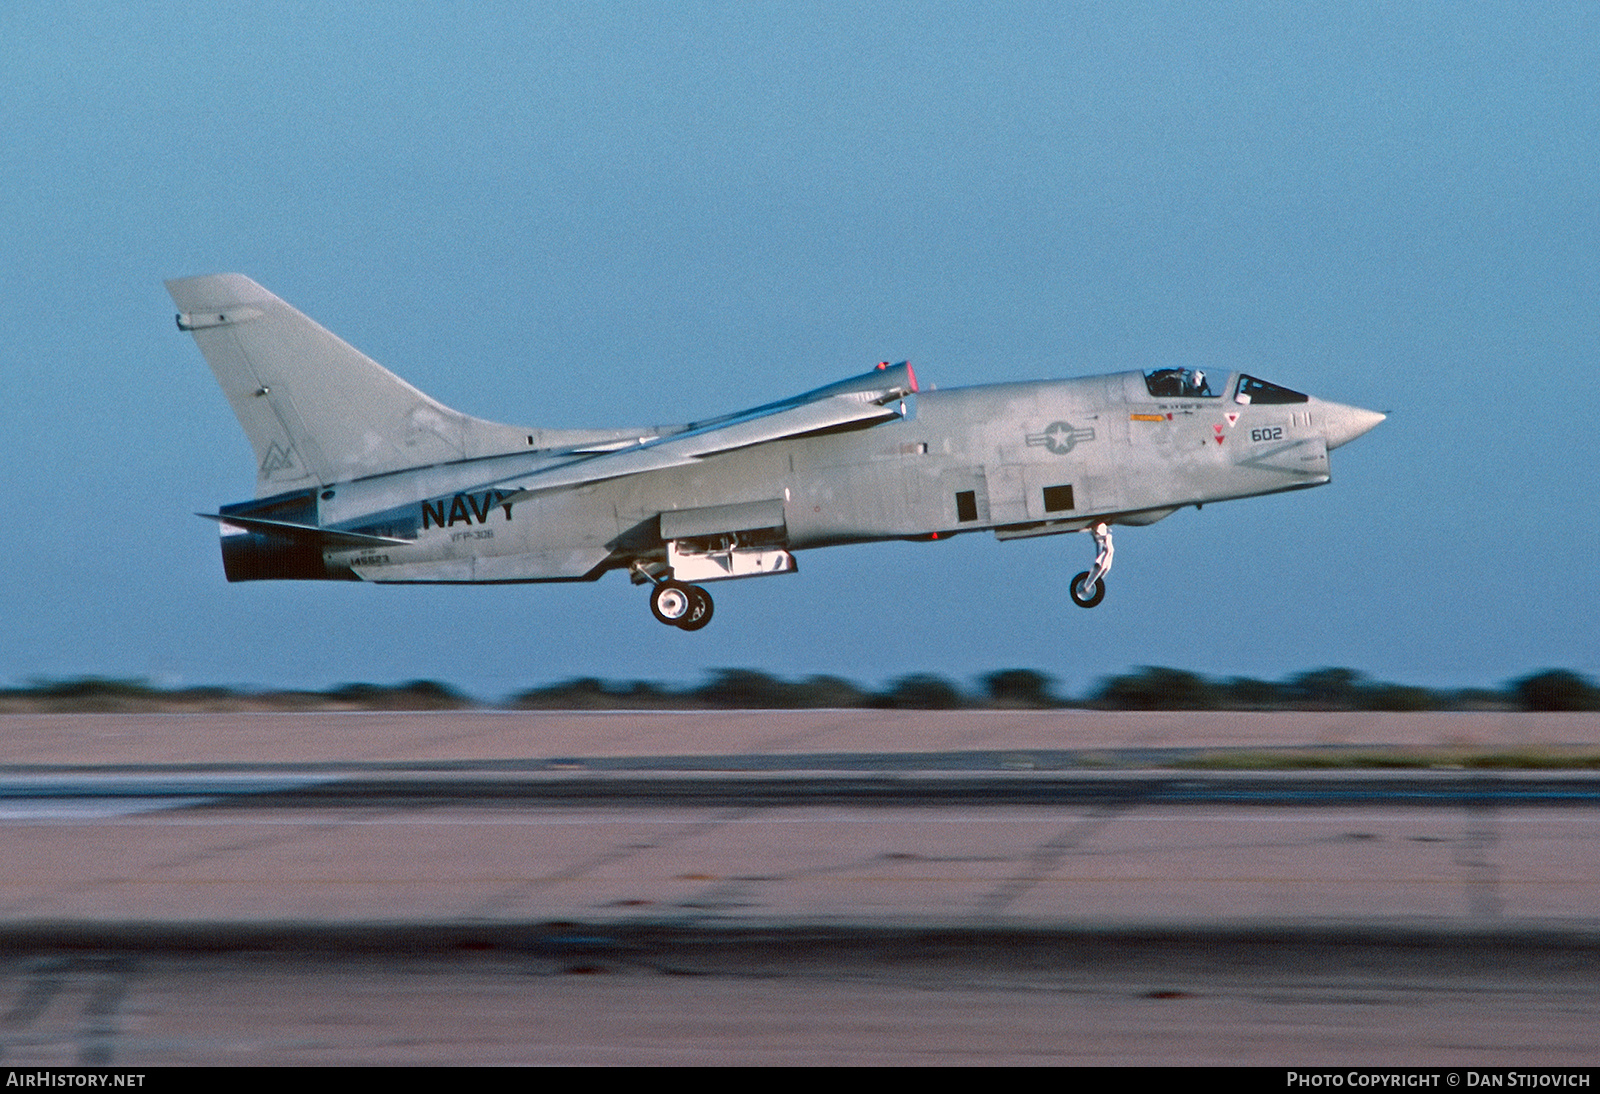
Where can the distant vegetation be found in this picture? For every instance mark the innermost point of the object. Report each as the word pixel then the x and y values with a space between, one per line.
pixel 1146 688
pixel 103 694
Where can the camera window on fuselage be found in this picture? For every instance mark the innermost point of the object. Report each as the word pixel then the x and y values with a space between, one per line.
pixel 1179 383
pixel 1262 393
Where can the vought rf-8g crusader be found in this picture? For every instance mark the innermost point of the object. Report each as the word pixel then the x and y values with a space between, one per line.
pixel 361 477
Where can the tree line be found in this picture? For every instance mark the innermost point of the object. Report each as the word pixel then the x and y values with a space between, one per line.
pixel 1148 687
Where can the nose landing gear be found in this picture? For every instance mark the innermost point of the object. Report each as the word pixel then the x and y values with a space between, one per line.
pixel 687 607
pixel 1089 587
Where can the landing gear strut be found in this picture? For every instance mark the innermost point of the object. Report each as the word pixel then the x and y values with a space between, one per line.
pixel 1089 587
pixel 687 607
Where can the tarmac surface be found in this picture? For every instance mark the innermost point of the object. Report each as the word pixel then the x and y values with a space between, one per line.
pixel 833 886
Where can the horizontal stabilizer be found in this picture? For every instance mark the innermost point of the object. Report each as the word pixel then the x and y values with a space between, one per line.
pixel 307 534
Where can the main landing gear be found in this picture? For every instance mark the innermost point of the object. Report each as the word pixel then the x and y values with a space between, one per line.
pixel 687 607
pixel 1089 587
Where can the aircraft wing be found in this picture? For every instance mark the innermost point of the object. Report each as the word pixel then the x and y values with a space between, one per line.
pixel 857 403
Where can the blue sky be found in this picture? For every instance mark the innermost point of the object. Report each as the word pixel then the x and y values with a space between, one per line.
pixel 590 214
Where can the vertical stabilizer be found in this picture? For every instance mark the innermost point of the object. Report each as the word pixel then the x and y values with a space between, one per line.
pixel 316 409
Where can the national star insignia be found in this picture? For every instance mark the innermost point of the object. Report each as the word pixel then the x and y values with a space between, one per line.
pixel 1060 437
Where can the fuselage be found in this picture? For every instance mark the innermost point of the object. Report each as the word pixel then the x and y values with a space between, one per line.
pixel 1017 459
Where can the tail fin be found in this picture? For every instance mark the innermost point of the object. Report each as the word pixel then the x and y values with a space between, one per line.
pixel 316 409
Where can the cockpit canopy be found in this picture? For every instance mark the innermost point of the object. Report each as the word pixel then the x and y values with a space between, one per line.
pixel 1179 383
pixel 1261 393
pixel 1192 383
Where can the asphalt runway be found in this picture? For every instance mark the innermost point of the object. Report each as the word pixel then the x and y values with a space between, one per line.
pixel 836 886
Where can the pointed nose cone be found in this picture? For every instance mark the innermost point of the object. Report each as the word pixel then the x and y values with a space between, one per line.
pixel 1342 424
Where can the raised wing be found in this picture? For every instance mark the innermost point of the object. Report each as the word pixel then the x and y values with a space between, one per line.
pixel 857 403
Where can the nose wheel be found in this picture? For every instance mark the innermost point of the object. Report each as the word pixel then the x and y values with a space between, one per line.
pixel 1085 595
pixel 687 607
pixel 1089 587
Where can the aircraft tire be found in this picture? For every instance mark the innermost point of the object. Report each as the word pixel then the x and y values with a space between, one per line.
pixel 699 613
pixel 1087 601
pixel 671 602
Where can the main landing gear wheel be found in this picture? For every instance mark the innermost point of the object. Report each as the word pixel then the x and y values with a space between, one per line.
pixel 699 609
pixel 680 605
pixel 1079 591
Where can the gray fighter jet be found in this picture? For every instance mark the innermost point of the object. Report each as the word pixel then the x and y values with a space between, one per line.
pixel 361 477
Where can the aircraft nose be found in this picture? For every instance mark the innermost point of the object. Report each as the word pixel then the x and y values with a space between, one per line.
pixel 1343 424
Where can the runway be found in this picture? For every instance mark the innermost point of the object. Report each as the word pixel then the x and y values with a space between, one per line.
pixel 837 867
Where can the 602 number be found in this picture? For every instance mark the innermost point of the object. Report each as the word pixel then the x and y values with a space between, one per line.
pixel 1273 433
